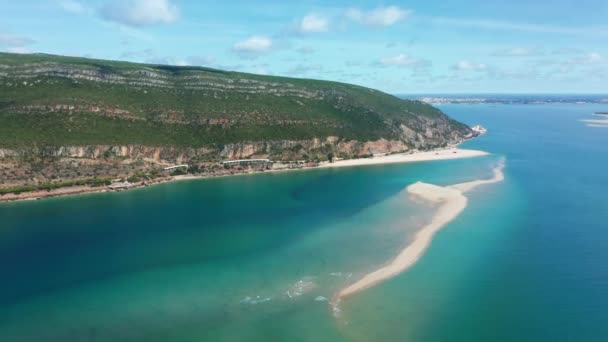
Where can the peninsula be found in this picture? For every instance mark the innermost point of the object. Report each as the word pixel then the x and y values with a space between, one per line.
pixel 80 123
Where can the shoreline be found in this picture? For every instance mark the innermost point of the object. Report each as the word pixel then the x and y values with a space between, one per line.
pixel 451 201
pixel 443 154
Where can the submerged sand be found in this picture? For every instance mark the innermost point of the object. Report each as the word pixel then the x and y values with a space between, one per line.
pixel 451 202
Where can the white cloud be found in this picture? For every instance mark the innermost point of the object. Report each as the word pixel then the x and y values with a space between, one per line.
pixel 519 52
pixel 262 71
pixel 19 49
pixel 141 12
pixel 405 61
pixel 253 46
pixel 399 60
pixel 256 44
pixel 313 23
pixel 306 50
pixel 304 69
pixel 151 57
pixel 381 16
pixel 593 58
pixel 489 24
pixel 469 66
pixel 587 60
pixel 13 40
pixel 75 7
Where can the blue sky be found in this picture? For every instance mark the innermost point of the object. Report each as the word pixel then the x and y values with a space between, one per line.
pixel 516 46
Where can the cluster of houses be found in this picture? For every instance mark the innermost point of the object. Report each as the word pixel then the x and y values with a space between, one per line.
pixel 119 185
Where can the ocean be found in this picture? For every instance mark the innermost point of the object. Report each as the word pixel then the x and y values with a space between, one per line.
pixel 257 258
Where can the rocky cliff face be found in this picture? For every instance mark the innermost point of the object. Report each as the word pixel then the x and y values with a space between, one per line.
pixel 281 150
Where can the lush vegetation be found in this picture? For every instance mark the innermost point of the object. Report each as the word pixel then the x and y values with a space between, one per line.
pixel 181 114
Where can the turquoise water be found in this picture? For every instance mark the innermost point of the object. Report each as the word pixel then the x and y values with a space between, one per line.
pixel 252 257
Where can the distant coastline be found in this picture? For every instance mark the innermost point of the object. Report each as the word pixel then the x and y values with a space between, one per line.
pixel 528 99
pixel 440 154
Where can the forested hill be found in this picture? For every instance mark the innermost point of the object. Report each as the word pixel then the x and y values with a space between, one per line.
pixel 66 118
pixel 67 101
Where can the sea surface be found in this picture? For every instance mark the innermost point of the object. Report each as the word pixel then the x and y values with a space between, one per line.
pixel 255 258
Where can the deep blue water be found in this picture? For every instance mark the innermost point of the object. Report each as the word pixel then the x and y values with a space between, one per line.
pixel 554 268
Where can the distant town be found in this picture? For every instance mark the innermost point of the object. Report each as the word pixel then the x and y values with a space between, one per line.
pixel 439 99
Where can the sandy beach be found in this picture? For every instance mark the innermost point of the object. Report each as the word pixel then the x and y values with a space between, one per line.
pixel 450 200
pixel 446 154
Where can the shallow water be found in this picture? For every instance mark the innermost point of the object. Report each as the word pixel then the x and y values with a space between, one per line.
pixel 253 258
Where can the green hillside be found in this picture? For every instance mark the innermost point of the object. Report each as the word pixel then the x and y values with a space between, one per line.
pixel 64 101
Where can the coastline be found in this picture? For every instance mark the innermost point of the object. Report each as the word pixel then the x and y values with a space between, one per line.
pixel 443 154
pixel 451 201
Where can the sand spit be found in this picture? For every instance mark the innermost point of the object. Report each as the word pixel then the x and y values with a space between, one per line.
pixel 451 202
pixel 596 122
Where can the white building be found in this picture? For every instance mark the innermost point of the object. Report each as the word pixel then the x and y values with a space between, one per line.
pixel 479 129
pixel 246 161
pixel 175 167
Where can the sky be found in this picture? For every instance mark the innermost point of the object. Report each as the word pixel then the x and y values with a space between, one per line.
pixel 403 47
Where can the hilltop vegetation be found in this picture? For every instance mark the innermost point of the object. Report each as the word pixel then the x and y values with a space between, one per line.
pixel 65 118
pixel 52 100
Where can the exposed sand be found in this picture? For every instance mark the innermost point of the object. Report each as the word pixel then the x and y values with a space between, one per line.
pixel 446 154
pixel 596 122
pixel 451 202
pixel 499 176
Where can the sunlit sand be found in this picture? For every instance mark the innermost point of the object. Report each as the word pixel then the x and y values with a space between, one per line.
pixel 446 154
